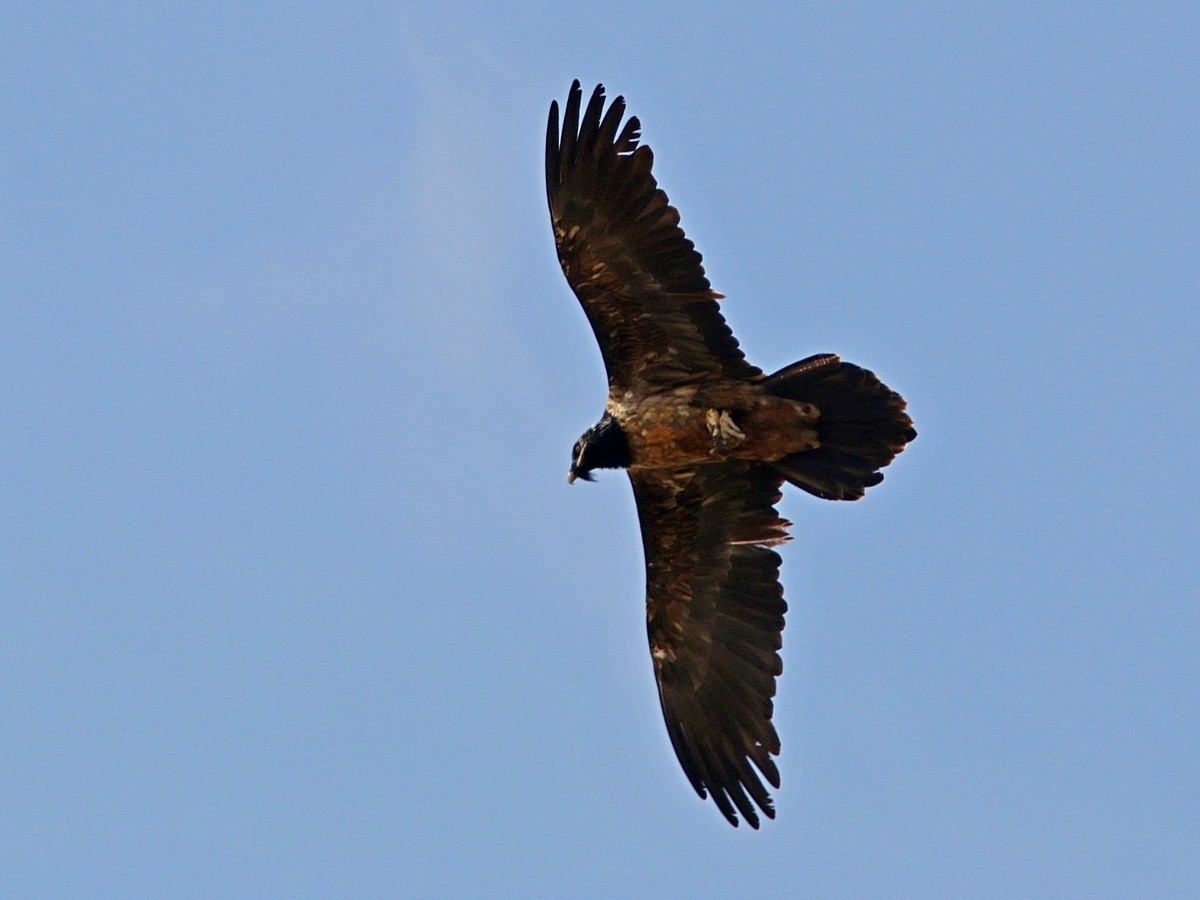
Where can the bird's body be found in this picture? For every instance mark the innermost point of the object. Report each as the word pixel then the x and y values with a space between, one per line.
pixel 681 425
pixel 707 440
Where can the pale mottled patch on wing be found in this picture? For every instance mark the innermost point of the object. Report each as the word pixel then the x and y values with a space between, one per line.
pixel 715 614
pixel 639 279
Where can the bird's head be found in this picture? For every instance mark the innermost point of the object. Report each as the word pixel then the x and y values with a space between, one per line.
pixel 603 446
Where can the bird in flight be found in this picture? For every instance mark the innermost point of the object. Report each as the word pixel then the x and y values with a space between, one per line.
pixel 707 440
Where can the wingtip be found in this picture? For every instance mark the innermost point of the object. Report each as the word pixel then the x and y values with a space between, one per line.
pixel 575 94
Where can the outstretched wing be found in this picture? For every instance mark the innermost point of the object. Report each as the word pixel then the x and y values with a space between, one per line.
pixel 714 610
pixel 620 245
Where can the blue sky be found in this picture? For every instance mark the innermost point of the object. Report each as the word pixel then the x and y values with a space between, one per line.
pixel 296 599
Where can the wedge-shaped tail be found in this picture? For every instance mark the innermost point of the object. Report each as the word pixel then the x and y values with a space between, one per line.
pixel 862 426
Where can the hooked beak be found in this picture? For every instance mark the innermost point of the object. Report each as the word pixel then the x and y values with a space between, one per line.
pixel 571 477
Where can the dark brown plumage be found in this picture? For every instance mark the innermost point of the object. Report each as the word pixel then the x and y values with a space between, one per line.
pixel 708 440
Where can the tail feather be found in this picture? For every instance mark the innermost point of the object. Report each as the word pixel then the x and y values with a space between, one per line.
pixel 862 426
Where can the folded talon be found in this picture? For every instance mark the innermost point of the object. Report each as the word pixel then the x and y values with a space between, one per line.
pixel 724 431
